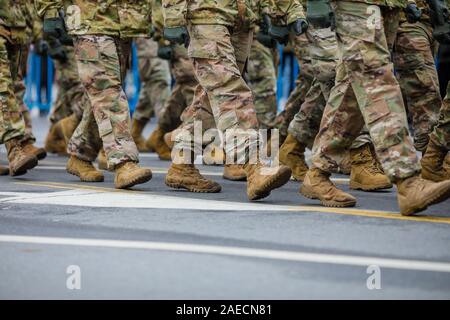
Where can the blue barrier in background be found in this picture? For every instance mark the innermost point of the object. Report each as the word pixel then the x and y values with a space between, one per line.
pixel 40 93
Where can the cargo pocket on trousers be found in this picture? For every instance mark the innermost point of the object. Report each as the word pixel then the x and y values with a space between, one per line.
pixel 377 110
pixel 87 50
pixel 203 49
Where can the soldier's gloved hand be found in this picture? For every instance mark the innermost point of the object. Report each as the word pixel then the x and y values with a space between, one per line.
pixel 41 47
pixel 277 33
pixel 265 40
pixel 266 24
pixel 178 35
pixel 299 26
pixel 57 51
pixel 165 52
pixel 413 13
pixel 320 14
pixel 56 28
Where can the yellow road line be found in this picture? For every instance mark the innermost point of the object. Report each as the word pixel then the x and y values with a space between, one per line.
pixel 343 211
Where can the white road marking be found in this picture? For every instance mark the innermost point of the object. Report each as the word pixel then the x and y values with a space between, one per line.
pixel 294 256
pixel 105 199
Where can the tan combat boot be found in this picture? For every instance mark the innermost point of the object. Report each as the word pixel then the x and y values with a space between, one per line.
pixel 102 161
pixel 214 158
pixel 156 143
pixel 432 163
pixel 84 170
pixel 234 172
pixel 137 127
pixel 129 174
pixel 68 126
pixel 415 194
pixel 447 163
pixel 19 160
pixel 317 185
pixel 39 153
pixel 168 140
pixel 261 179
pixel 345 166
pixel 292 154
pixel 187 176
pixel 366 172
pixel 54 142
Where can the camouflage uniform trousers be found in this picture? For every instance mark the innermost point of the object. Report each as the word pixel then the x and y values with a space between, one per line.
pixel 262 78
pixel 12 124
pixel 418 78
pixel 441 133
pixel 102 64
pixel 222 99
pixel 366 92
pixel 302 85
pixel 183 90
pixel 155 80
pixel 19 72
pixel 72 97
pixel 306 123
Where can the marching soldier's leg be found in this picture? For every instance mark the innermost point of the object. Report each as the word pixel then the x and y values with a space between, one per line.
pixel 155 88
pixel 433 167
pixel 365 75
pixel 12 125
pixel 417 75
pixel 19 57
pixel 262 78
pixel 102 61
pixel 69 106
pixel 303 83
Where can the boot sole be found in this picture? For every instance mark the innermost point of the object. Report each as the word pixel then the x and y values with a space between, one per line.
pixel 444 195
pixel 359 186
pixel 26 165
pixel 42 154
pixel 190 189
pixel 99 179
pixel 132 182
pixel 326 203
pixel 276 182
pixel 231 178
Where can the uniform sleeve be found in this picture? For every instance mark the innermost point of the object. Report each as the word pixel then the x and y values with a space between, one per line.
pixel 174 12
pixel 48 8
pixel 289 10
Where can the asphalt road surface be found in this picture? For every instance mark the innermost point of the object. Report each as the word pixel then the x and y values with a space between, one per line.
pixel 60 238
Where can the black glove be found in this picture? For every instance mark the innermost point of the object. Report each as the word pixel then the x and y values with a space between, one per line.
pixel 277 33
pixel 177 35
pixel 320 14
pixel 440 19
pixel 56 28
pixel 57 51
pixel 266 40
pixel 165 52
pixel 41 47
pixel 299 26
pixel 413 13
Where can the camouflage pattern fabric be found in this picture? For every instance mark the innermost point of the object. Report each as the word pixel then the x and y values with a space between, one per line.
pixel 262 78
pixel 366 92
pixel 303 83
pixel 418 78
pixel 72 97
pixel 12 124
pixel 222 99
pixel 441 133
pixel 155 80
pixel 182 93
pixel 306 123
pixel 121 18
pixel 102 63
